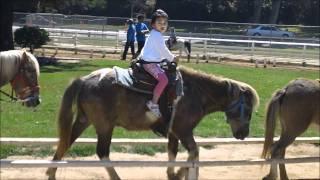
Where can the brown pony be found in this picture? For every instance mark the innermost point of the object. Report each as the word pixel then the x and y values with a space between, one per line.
pixel 105 105
pixel 297 106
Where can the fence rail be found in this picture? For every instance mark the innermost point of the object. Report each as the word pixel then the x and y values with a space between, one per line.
pixel 125 141
pixel 192 174
pixel 105 163
pixel 282 50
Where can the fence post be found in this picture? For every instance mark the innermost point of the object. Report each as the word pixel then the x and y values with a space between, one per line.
pixel 42 53
pixel 256 63
pixel 91 53
pixel 197 60
pixel 117 40
pixel 304 63
pixel 56 51
pixel 264 63
pixel 205 48
pixel 274 62
pixel 75 43
pixel 252 48
pixel 193 174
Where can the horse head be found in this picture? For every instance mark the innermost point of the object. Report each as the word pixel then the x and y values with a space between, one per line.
pixel 25 82
pixel 238 113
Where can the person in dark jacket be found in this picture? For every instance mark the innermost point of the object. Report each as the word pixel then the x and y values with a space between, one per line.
pixel 131 32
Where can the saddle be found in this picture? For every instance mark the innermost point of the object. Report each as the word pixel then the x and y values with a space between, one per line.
pixel 144 81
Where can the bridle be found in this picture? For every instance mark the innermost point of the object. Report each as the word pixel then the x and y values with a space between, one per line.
pixel 238 104
pixel 21 77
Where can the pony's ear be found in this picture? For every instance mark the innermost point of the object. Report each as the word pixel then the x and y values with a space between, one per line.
pixel 24 56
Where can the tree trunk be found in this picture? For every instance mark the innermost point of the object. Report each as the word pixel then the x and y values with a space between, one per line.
pixel 257 11
pixel 6 21
pixel 275 11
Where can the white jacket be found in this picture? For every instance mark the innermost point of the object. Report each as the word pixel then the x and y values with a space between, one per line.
pixel 155 49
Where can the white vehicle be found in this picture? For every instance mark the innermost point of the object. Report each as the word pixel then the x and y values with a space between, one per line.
pixel 270 31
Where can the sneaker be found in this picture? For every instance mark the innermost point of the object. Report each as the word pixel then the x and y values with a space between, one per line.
pixel 154 108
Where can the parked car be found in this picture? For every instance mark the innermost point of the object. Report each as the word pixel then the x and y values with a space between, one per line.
pixel 270 31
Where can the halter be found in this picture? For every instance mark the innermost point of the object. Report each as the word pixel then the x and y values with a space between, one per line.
pixel 239 103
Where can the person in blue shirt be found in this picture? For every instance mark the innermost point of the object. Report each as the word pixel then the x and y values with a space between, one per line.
pixel 131 32
pixel 141 29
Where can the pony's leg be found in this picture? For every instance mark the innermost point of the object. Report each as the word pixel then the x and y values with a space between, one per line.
pixel 103 151
pixel 187 53
pixel 278 152
pixel 172 154
pixel 190 144
pixel 282 167
pixel 78 127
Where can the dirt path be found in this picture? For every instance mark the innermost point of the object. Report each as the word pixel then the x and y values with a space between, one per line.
pixel 221 152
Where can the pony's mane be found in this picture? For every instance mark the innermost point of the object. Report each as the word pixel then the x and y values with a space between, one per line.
pixel 12 56
pixel 34 62
pixel 200 75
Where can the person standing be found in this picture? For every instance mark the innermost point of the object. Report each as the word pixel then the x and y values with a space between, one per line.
pixel 130 39
pixel 141 31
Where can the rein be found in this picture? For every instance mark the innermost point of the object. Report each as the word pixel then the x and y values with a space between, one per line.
pixel 8 95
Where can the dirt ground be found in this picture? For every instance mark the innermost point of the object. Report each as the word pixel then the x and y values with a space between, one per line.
pixel 220 152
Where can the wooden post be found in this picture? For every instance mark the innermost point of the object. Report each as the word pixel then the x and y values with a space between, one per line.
pixel 103 53
pixel 75 43
pixel 197 60
pixel 252 48
pixel 205 49
pixel 56 51
pixel 91 53
pixel 256 63
pixel 117 42
pixel 43 51
pixel 264 63
pixel 219 58
pixel 274 63
pixel 193 174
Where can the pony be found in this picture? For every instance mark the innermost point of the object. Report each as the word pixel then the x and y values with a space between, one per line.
pixel 179 44
pixel 98 101
pixel 296 106
pixel 21 69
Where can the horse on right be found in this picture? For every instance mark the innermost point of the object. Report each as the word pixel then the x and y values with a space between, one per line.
pixel 297 107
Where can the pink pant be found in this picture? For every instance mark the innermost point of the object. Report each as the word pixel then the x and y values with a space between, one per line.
pixel 159 74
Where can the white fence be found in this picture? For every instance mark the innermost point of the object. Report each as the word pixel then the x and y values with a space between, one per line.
pixel 272 50
pixel 5 163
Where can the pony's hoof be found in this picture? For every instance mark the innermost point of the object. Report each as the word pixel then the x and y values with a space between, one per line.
pixel 268 177
pixel 51 174
pixel 173 177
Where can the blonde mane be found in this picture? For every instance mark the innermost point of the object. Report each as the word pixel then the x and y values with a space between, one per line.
pixel 9 61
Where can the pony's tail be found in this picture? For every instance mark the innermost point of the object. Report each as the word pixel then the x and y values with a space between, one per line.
pixel 68 109
pixel 270 123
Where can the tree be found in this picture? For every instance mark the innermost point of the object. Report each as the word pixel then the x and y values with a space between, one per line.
pixel 275 11
pixel 257 11
pixel 30 36
pixel 6 42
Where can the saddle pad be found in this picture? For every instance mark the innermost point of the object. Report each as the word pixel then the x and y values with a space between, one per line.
pixel 123 78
